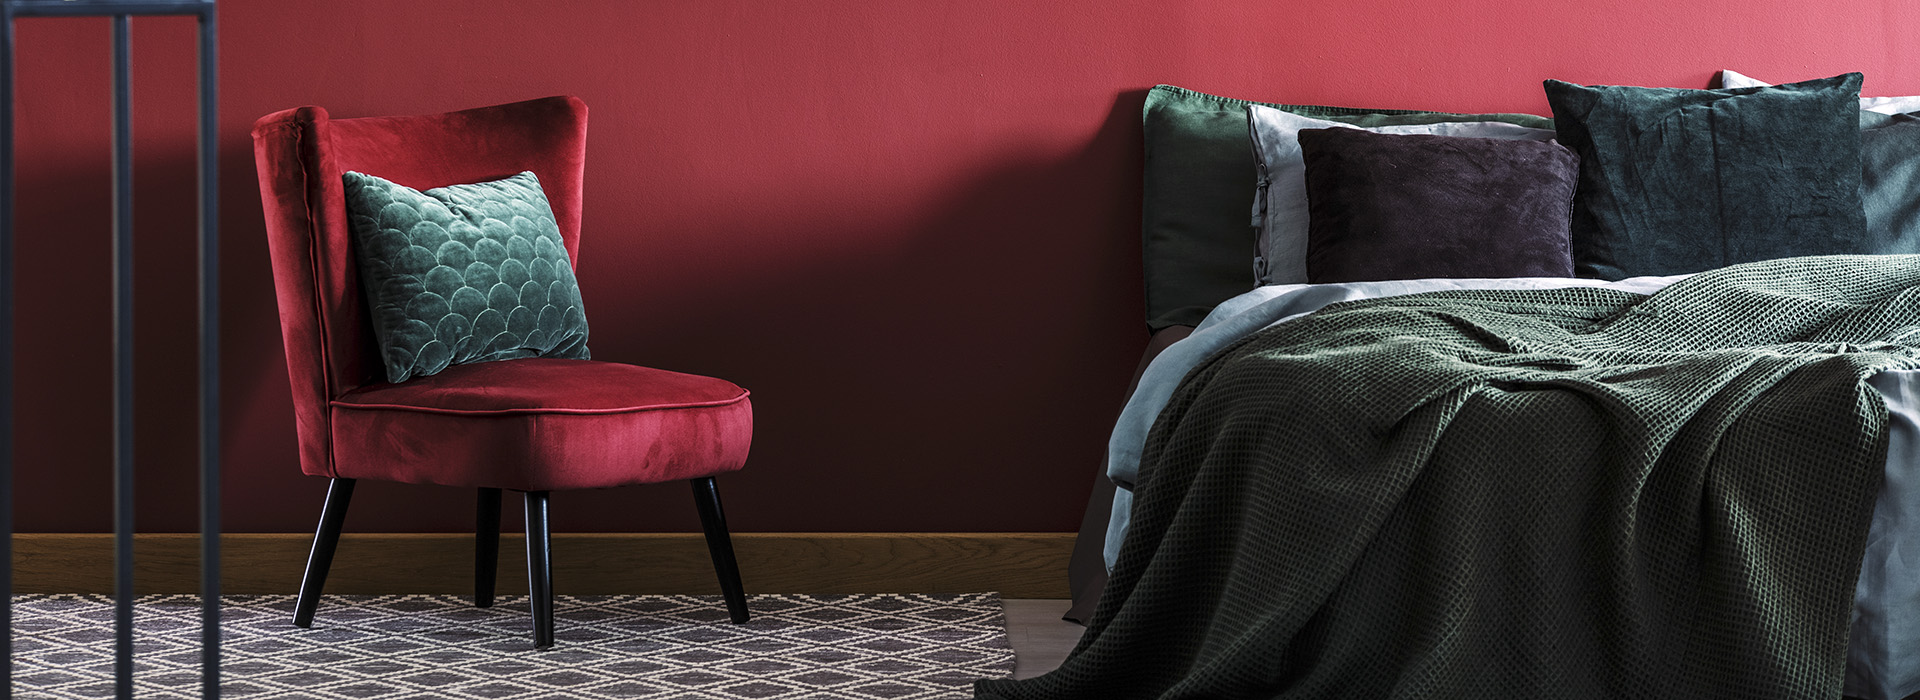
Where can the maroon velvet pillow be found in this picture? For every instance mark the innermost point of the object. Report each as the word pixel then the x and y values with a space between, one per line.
pixel 1413 206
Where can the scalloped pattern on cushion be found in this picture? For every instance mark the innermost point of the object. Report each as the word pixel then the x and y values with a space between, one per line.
pixel 464 273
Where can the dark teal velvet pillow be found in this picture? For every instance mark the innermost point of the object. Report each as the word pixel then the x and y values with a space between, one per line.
pixel 464 273
pixel 1890 185
pixel 1200 180
pixel 1675 181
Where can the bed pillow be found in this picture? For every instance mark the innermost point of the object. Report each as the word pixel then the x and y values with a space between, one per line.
pixel 464 273
pixel 1890 186
pixel 1674 181
pixel 1199 180
pixel 1889 157
pixel 1878 105
pixel 1416 206
pixel 1280 192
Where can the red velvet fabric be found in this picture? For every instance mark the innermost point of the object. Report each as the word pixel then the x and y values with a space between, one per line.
pixel 543 425
pixel 599 424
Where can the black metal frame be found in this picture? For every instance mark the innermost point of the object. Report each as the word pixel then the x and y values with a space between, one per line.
pixel 486 553
pixel 209 405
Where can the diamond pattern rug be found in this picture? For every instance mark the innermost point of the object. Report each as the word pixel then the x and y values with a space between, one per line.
pixel 884 646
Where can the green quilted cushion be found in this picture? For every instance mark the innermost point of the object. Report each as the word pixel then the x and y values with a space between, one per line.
pixel 464 273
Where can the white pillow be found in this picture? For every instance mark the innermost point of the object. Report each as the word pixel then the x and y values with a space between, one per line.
pixel 1280 202
pixel 1883 105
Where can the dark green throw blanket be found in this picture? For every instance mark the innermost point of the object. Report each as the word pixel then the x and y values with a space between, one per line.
pixel 1575 493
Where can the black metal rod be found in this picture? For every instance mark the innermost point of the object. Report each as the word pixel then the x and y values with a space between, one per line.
pixel 539 570
pixel 486 547
pixel 106 8
pixel 326 538
pixel 122 359
pixel 6 351
pixel 209 359
pixel 706 498
pixel 120 10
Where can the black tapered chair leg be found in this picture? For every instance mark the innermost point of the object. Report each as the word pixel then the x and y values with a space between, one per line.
pixel 325 539
pixel 706 496
pixel 486 547
pixel 539 570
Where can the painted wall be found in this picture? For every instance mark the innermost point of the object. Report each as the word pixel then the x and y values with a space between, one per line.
pixel 911 228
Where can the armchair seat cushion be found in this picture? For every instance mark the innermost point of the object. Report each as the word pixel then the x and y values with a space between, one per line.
pixel 542 424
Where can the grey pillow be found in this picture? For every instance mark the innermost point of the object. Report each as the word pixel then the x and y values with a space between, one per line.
pixel 1890 186
pixel 1889 170
pixel 463 273
pixel 1675 181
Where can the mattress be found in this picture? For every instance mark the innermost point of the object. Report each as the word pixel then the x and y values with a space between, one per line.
pixel 1884 648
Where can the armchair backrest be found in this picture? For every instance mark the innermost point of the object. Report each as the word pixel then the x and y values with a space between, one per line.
pixel 301 153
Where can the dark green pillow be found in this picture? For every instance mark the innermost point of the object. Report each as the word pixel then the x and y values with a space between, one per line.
pixel 1890 185
pixel 1889 181
pixel 1675 181
pixel 1200 180
pixel 464 273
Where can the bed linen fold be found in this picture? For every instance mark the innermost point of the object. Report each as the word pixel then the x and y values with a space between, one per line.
pixel 1310 480
pixel 1883 661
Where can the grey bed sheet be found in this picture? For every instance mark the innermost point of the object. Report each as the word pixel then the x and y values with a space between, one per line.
pixel 1883 656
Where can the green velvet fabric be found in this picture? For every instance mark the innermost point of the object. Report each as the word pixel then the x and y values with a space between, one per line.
pixel 464 273
pixel 1890 185
pixel 1200 182
pixel 1676 181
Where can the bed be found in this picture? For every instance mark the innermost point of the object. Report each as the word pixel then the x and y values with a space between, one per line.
pixel 1881 624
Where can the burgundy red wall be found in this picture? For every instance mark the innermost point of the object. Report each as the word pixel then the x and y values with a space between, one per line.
pixel 911 228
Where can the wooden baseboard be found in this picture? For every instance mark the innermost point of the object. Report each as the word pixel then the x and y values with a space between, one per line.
pixel 1018 565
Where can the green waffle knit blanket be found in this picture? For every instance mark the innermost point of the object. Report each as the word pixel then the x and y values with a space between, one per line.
pixel 1570 493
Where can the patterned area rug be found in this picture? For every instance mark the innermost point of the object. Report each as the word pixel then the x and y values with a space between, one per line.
pixel 420 646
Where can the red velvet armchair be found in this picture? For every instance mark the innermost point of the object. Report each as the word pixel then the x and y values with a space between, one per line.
pixel 528 425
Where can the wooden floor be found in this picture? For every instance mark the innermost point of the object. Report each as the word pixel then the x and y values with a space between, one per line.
pixel 1039 637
